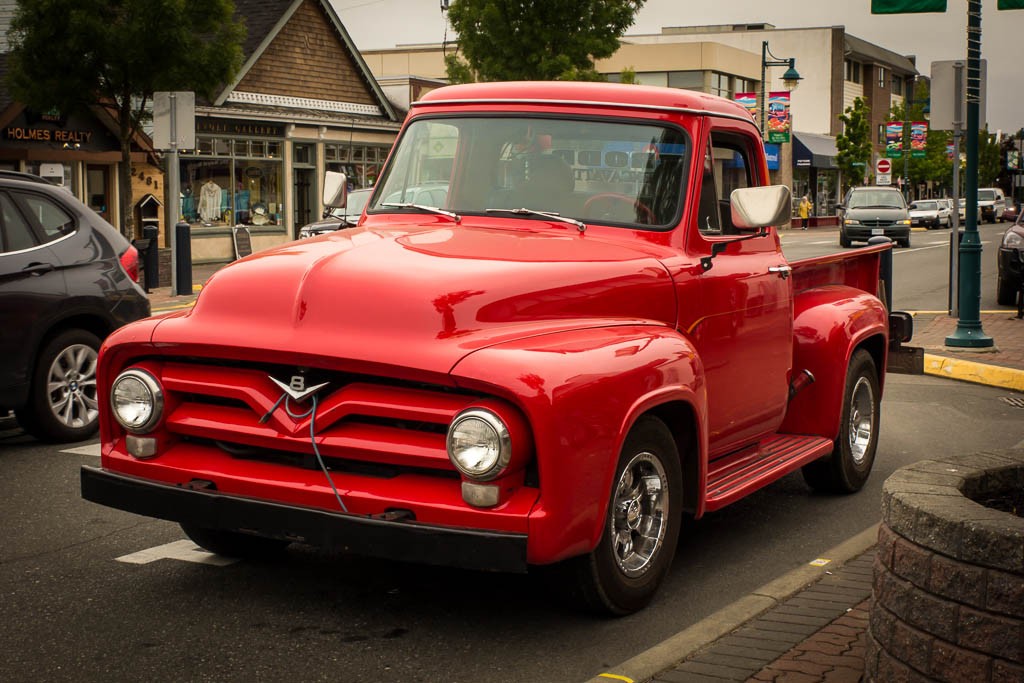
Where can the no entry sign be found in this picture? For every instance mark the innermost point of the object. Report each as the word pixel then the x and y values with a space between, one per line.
pixel 883 166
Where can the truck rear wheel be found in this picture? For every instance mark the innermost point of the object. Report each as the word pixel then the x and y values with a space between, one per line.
pixel 641 528
pixel 853 454
pixel 232 543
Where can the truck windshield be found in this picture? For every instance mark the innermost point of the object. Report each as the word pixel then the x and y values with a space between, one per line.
pixel 986 196
pixel 629 174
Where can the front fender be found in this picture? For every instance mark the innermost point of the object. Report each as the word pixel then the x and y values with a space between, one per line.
pixel 581 391
pixel 829 323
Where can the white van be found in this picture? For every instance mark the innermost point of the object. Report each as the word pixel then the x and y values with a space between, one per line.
pixel 992 203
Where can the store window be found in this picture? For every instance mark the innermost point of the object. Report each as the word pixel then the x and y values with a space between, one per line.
pixel 686 80
pixel 881 76
pixel 62 174
pixel 720 85
pixel 361 163
pixel 233 182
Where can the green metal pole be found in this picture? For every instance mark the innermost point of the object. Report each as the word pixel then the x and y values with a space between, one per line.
pixel 968 331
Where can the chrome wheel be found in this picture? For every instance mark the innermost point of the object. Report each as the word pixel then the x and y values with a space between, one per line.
pixel 71 386
pixel 639 514
pixel 862 420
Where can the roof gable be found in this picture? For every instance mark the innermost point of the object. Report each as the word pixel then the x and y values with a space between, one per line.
pixel 304 54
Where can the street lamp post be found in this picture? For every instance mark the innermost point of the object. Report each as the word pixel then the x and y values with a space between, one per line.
pixel 791 78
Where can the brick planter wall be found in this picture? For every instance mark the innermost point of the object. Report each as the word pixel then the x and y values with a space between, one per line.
pixel 949 575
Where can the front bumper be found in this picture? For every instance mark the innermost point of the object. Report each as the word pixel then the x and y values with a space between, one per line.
pixel 402 539
pixel 863 233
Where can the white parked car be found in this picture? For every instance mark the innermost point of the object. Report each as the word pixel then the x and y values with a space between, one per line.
pixel 931 213
pixel 992 203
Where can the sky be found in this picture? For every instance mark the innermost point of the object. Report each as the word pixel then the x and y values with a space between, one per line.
pixel 376 24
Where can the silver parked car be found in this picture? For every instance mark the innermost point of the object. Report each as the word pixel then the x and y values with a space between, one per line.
pixel 931 213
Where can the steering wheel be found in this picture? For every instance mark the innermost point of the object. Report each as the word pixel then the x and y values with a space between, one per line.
pixel 640 209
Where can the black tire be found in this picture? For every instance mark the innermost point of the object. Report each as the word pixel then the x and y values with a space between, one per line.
pixel 617 578
pixel 847 468
pixel 234 544
pixel 905 242
pixel 62 404
pixel 844 241
pixel 1006 293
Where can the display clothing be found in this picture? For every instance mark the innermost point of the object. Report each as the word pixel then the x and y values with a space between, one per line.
pixel 209 202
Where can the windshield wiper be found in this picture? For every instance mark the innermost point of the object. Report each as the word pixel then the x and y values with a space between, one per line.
pixel 546 214
pixel 875 206
pixel 422 207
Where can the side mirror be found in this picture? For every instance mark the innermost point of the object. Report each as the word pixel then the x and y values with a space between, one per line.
pixel 335 190
pixel 758 207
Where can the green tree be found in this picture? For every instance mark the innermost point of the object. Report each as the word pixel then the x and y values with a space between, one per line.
pixel 71 54
pixel 854 143
pixel 517 40
pixel 988 159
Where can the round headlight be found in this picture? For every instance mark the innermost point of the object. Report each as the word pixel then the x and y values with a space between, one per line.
pixel 1013 240
pixel 479 444
pixel 137 400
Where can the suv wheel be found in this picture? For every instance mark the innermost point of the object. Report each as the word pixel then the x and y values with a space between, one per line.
pixel 844 241
pixel 62 403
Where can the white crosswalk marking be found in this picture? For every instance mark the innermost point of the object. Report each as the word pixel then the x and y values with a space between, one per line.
pixel 89 449
pixel 184 550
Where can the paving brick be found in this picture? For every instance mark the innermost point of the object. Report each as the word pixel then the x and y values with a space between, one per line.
pixel 760 653
pixel 757 644
pixel 729 673
pixel 789 607
pixel 676 676
pixel 770 636
pixel 787 618
pixel 804 667
pixel 770 625
pixel 732 661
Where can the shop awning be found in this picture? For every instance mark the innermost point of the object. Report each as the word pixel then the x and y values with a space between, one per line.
pixel 814 151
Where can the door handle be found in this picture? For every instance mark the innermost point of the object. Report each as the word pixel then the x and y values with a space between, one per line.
pixel 38 268
pixel 781 271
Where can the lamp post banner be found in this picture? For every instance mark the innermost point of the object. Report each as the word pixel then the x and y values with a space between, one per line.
pixel 918 138
pixel 779 120
pixel 894 139
pixel 748 100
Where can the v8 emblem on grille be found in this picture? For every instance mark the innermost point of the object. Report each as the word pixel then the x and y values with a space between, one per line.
pixel 297 389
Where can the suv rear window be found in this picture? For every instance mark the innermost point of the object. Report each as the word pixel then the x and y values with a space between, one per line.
pixel 55 221
pixel 15 232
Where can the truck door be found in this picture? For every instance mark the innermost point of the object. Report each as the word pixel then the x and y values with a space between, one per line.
pixel 745 330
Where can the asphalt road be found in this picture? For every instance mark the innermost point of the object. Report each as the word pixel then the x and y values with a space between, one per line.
pixel 70 610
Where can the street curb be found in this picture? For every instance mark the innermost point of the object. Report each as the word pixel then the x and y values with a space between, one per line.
pixel 675 649
pixel 976 373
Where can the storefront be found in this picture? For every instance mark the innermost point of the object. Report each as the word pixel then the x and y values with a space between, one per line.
pixel 815 172
pixel 79 151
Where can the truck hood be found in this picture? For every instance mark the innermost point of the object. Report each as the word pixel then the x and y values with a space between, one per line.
pixel 419 298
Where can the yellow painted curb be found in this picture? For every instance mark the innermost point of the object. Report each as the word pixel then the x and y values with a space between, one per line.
pixel 978 373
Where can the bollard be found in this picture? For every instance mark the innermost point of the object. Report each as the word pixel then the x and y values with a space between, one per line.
pixel 183 266
pixel 151 257
pixel 885 269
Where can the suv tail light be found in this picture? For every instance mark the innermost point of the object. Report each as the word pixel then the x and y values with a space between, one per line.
pixel 130 262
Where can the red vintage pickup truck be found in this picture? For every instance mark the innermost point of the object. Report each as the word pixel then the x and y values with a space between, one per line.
pixel 563 322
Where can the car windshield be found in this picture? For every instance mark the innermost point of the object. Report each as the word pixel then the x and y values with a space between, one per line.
pixel 629 174
pixel 924 206
pixel 355 204
pixel 986 196
pixel 876 198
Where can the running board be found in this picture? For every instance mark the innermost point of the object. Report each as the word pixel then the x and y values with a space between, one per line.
pixel 738 474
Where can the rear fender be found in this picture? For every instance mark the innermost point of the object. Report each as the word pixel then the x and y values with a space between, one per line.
pixel 829 324
pixel 581 392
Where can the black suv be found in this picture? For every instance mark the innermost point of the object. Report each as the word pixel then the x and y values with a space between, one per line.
pixel 67 280
pixel 872 210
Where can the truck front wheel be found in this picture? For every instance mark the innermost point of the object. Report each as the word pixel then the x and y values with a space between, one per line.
pixel 641 528
pixel 853 454
pixel 232 543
